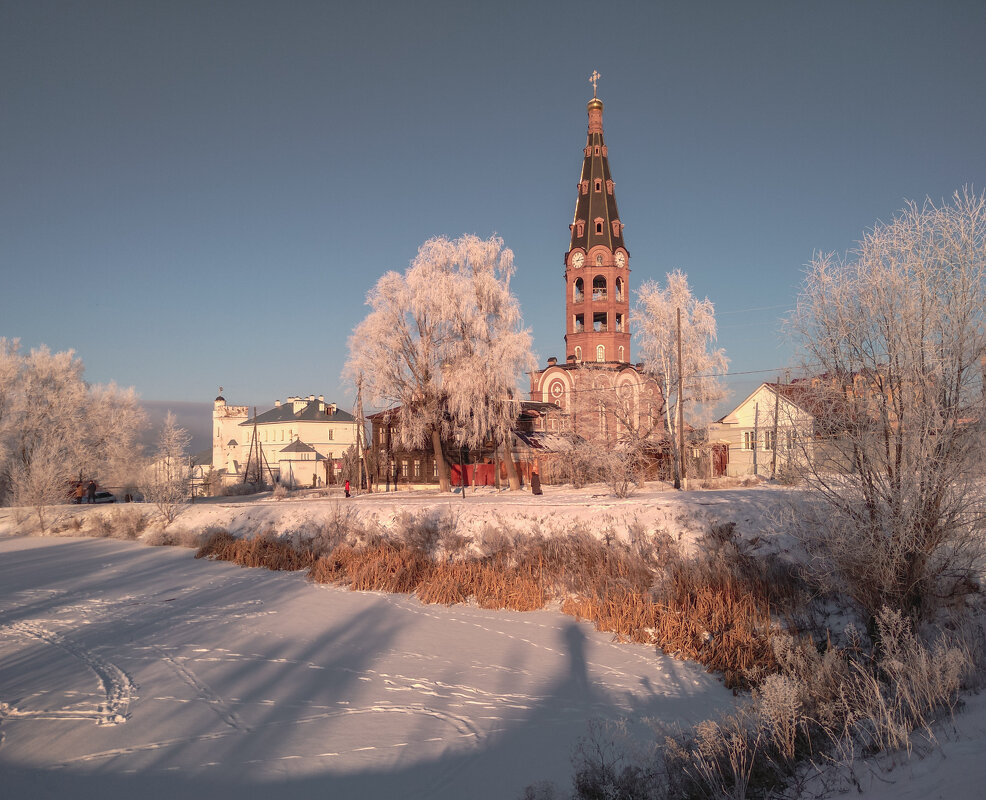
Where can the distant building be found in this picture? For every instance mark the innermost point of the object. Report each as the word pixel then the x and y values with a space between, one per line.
pixel 775 416
pixel 299 440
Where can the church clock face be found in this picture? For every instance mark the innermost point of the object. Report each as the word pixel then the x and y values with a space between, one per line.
pixel 578 260
pixel 621 260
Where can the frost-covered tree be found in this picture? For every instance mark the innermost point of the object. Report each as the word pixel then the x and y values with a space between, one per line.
pixel 167 479
pixel 54 427
pixel 655 318
pixel 896 333
pixel 613 421
pixel 445 343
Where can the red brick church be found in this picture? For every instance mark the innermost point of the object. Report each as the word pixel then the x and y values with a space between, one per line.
pixel 600 392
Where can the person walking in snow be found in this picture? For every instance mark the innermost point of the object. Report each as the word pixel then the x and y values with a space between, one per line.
pixel 79 491
pixel 346 487
pixel 91 492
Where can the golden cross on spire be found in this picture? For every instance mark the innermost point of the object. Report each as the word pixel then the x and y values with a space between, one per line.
pixel 593 78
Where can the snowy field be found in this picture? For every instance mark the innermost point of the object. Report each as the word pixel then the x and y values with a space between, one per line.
pixel 132 671
pixel 135 671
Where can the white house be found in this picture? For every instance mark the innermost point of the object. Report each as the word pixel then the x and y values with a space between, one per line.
pixel 774 414
pixel 304 436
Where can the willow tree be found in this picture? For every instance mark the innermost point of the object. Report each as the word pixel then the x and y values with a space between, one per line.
pixel 444 342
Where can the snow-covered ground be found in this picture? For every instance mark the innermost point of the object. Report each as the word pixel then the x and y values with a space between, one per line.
pixel 128 670
pixel 133 671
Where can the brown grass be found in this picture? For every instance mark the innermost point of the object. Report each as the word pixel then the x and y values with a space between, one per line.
pixel 259 551
pixel 714 609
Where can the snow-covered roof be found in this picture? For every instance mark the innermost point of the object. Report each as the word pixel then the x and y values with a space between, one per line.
pixel 314 411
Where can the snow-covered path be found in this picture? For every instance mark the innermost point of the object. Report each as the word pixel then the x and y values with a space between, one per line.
pixel 133 671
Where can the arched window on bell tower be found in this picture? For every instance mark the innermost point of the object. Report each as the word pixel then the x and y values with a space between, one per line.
pixel 578 293
pixel 600 353
pixel 578 354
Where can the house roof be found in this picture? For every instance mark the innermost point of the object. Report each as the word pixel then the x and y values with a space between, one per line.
pixel 807 395
pixel 310 413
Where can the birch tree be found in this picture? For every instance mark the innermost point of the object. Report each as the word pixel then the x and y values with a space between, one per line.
pixel 444 342
pixel 167 479
pixel 896 331
pixel 655 321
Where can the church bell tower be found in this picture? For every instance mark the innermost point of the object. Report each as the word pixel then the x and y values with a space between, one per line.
pixel 597 264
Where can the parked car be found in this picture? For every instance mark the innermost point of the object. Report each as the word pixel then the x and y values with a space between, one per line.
pixel 105 497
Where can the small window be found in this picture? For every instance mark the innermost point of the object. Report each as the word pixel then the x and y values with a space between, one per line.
pixel 330 434
pixel 619 325
pixel 599 229
pixel 403 469
pixel 600 353
pixel 580 228
pixel 417 468
pixel 622 358
pixel 218 434
pixel 749 440
pixel 578 295
pixel 619 290
pixel 598 186
pixel 599 322
pixel 768 440
pixel 578 354
pixel 579 323
pixel 616 227
pixel 584 187
pixel 609 187
pixel 597 149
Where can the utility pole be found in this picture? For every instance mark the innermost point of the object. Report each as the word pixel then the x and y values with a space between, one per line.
pixel 773 441
pixel 362 467
pixel 756 436
pixel 681 479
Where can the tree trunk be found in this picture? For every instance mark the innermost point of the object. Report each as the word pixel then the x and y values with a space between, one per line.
pixel 443 479
pixel 508 457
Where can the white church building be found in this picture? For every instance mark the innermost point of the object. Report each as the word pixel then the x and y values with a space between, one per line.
pixel 301 441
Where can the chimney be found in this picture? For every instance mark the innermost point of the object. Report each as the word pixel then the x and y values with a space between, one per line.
pixel 277 404
pixel 321 398
pixel 311 398
pixel 552 361
pixel 571 359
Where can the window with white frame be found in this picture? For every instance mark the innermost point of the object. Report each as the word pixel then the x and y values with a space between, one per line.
pixel 749 440
pixel 768 440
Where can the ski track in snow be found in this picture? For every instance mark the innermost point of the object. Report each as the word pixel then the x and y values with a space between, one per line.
pixel 204 693
pixel 117 688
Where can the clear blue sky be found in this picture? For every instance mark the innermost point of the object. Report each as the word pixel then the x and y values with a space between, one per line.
pixel 201 193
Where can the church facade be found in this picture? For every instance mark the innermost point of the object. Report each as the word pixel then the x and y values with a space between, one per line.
pixel 600 392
